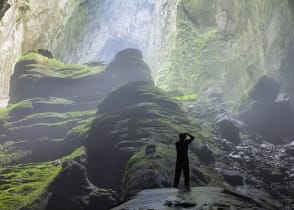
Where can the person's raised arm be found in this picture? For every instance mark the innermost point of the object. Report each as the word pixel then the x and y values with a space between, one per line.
pixel 191 138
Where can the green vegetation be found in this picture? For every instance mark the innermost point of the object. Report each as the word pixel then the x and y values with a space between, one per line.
pixel 3 115
pixel 187 97
pixel 53 101
pixel 141 161
pixel 151 117
pixel 189 69
pixel 25 104
pixel 54 118
pixel 54 68
pixel 24 183
pixel 8 153
pixel 82 129
pixel 5 112
pixel 77 153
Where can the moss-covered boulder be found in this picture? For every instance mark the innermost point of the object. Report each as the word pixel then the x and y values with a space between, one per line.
pixel 50 99
pixel 32 186
pixel 63 194
pixel 51 109
pixel 129 120
pixel 39 75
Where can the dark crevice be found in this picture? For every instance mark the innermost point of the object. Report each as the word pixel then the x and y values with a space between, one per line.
pixel 4 6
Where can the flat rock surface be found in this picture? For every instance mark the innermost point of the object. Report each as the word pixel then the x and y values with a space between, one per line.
pixel 200 198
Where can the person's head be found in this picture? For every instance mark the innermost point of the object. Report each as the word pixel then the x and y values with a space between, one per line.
pixel 182 136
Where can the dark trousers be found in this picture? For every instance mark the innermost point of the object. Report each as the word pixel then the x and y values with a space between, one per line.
pixel 182 165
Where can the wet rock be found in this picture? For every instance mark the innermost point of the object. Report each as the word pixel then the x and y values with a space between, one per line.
pixel 224 144
pixel 272 175
pixel 195 198
pixel 233 177
pixel 72 190
pixel 291 177
pixel 228 129
pixel 289 149
pixel 204 154
pixel 236 158
pixel 178 204
pixel 199 177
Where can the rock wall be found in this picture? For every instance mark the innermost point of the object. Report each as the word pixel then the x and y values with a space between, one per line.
pixel 27 25
pixel 81 31
pixel 99 31
pixel 226 46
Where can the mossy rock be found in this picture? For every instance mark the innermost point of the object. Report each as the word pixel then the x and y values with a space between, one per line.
pixel 24 183
pixel 130 118
pixel 63 194
pixel 36 75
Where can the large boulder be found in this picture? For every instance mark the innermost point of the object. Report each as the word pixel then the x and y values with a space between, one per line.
pixel 38 74
pixel 73 191
pixel 131 118
pixel 48 99
pixel 267 112
pixel 228 128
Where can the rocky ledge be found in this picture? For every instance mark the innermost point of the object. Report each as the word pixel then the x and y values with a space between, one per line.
pixel 199 198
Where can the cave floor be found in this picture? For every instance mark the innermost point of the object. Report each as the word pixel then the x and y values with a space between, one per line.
pixel 209 198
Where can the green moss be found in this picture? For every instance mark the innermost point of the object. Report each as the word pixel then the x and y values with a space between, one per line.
pixel 60 117
pixel 82 129
pixel 77 153
pixel 163 158
pixel 25 104
pixel 54 68
pixel 4 113
pixel 25 107
pixel 187 97
pixel 9 154
pixel 79 120
pixel 22 184
pixel 188 69
pixel 53 100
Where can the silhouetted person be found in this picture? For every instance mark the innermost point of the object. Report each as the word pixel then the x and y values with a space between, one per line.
pixel 182 159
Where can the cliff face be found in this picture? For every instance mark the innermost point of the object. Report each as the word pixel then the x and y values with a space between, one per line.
pixel 80 31
pixel 27 25
pixel 226 46
pixel 100 30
